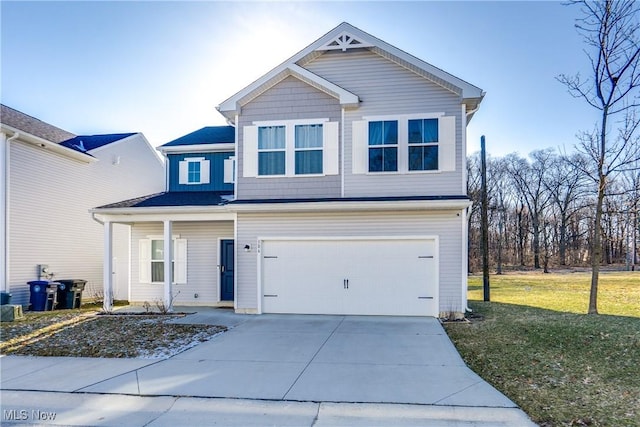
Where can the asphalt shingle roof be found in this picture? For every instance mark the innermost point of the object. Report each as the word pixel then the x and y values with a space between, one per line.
pixel 174 198
pixel 84 143
pixel 33 126
pixel 206 135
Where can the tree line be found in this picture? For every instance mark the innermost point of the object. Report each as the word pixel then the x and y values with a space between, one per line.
pixel 542 209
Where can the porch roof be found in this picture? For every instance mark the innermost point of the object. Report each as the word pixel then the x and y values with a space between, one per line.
pixel 173 198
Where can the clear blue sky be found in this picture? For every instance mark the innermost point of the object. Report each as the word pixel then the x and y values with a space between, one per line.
pixel 161 67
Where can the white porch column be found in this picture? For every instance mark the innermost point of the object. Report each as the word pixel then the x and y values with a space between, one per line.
pixel 107 269
pixel 168 257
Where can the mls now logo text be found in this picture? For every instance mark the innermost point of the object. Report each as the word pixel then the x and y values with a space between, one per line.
pixel 23 415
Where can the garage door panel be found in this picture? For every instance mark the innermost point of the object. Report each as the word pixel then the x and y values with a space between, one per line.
pixel 372 276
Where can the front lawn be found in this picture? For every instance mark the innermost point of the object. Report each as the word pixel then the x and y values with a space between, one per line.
pixel 560 366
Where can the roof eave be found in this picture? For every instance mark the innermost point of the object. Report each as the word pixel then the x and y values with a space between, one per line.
pixel 196 148
pixel 232 106
pixel 48 145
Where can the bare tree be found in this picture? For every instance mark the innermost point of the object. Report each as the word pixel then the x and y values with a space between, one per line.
pixel 611 31
pixel 528 178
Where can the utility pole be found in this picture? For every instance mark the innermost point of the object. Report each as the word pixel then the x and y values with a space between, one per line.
pixel 484 214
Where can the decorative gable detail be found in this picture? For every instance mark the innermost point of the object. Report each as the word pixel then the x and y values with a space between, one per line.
pixel 343 42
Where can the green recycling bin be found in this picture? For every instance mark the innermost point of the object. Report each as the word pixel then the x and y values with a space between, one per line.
pixel 70 293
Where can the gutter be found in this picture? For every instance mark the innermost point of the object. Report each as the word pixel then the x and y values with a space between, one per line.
pixel 51 146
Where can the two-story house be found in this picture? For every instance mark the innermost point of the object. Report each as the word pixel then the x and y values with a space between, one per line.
pixel 49 180
pixel 340 188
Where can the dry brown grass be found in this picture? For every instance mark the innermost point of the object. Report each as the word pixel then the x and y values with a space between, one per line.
pixel 82 333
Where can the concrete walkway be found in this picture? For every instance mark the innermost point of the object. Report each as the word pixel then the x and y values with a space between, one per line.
pixel 269 370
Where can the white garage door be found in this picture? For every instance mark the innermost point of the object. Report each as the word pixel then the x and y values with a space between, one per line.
pixel 354 276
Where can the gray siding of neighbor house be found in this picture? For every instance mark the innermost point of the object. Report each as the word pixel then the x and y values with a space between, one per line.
pixel 386 88
pixel 202 261
pixel 290 99
pixel 448 225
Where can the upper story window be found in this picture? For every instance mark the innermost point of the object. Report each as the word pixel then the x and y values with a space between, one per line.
pixel 423 144
pixel 411 143
pixel 271 150
pixel 290 148
pixel 308 149
pixel 383 146
pixel 194 170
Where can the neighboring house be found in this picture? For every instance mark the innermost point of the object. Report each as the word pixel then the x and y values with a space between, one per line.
pixel 339 189
pixel 51 178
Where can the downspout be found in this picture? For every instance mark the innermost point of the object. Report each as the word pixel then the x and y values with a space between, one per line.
pixel 342 143
pixel 4 208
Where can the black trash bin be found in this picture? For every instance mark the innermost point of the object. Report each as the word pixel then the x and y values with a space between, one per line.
pixel 70 293
pixel 43 295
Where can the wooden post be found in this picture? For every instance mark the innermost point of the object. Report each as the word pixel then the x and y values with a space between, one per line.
pixel 484 214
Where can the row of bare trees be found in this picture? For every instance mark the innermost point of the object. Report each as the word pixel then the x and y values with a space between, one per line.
pixel 542 210
pixel 584 206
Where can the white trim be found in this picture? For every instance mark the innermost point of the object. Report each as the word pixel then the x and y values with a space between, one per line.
pixel 465 259
pixel 48 145
pixel 342 149
pixel 235 154
pixel 402 117
pixel 228 212
pixel 447 143
pixel 367 237
pixel 107 267
pixel 235 260
pixel 463 131
pixel 278 74
pixel 428 71
pixel 197 148
pixel 265 123
pixel 4 185
pixel 354 206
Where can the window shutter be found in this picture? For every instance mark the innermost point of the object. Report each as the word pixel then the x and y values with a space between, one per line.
pixel 360 147
pixel 144 259
pixel 250 151
pixel 229 166
pixel 330 149
pixel 205 172
pixel 180 261
pixel 447 144
pixel 183 172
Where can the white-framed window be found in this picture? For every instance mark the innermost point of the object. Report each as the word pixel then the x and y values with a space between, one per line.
pixel 308 149
pixel 290 148
pixel 194 170
pixel 416 143
pixel 423 144
pixel 151 259
pixel 383 146
pixel 271 150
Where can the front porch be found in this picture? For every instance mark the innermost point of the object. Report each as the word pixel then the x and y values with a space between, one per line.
pixel 175 258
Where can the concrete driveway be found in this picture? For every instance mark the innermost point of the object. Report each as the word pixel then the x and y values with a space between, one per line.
pixel 286 358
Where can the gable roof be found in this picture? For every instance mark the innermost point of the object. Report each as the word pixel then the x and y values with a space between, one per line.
pixel 206 135
pixel 85 143
pixel 346 36
pixel 36 127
